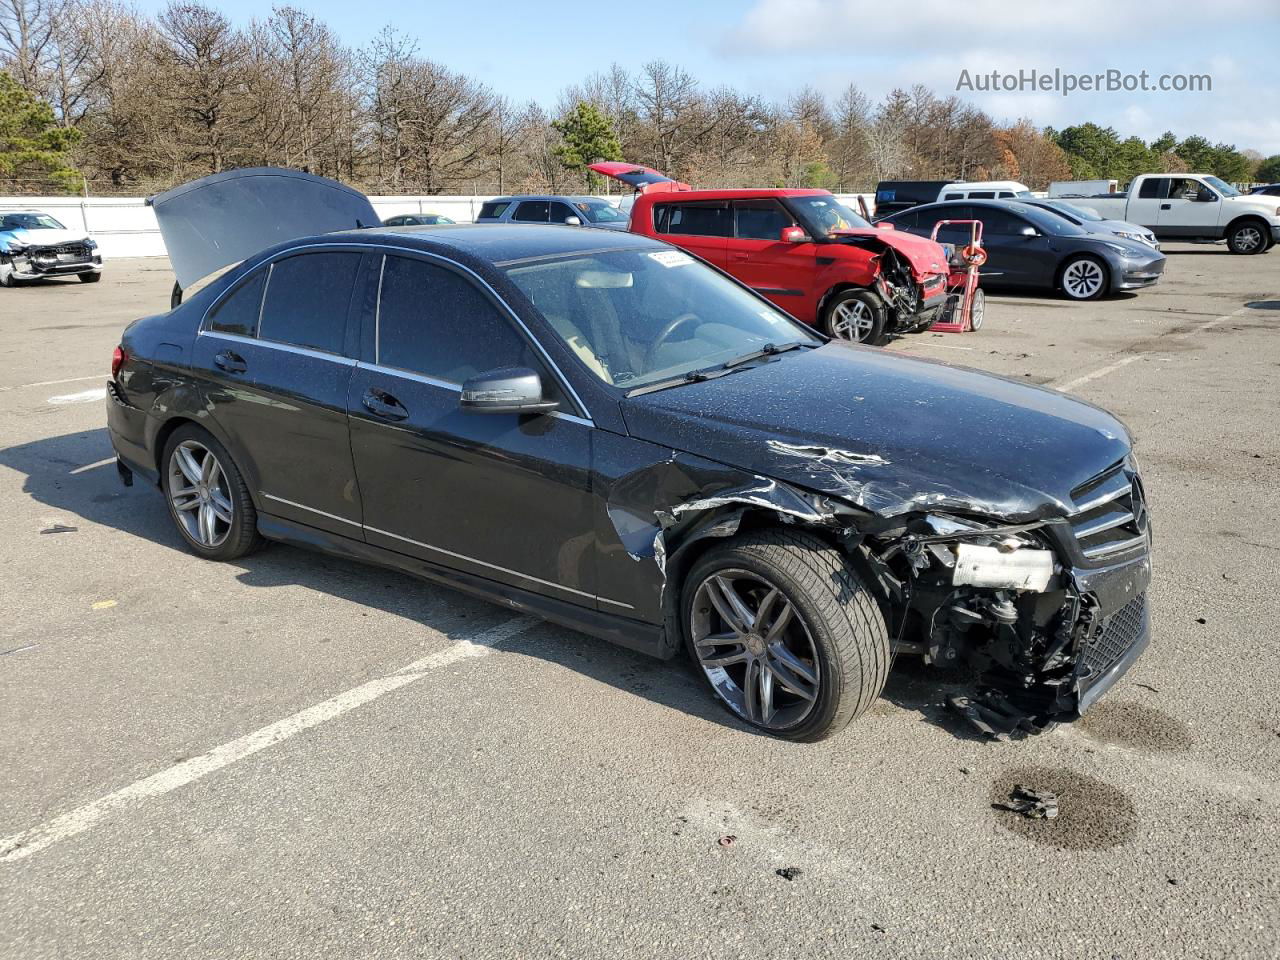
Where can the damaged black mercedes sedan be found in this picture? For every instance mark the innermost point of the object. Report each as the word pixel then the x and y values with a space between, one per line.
pixel 605 432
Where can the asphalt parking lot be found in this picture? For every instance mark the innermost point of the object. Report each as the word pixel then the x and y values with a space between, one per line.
pixel 294 756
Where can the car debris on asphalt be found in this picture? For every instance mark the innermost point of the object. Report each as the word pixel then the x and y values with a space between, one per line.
pixel 1033 804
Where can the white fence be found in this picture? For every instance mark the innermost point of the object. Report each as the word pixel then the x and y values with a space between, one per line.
pixel 126 226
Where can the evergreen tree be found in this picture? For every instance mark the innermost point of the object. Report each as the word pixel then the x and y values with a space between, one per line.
pixel 587 136
pixel 32 144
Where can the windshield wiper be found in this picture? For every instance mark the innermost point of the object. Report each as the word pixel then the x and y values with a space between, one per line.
pixel 768 350
pixel 719 370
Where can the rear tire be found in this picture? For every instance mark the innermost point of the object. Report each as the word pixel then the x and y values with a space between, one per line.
pixel 207 496
pixel 855 316
pixel 827 662
pixel 1083 278
pixel 1248 238
pixel 89 277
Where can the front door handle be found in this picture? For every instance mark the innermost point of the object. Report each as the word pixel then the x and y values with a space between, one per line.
pixel 1166 206
pixel 383 405
pixel 738 256
pixel 230 362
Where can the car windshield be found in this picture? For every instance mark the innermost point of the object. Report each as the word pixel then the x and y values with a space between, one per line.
pixel 1080 213
pixel 30 221
pixel 635 317
pixel 600 211
pixel 828 213
pixel 1224 188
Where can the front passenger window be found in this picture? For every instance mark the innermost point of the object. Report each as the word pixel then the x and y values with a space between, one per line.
pixel 435 322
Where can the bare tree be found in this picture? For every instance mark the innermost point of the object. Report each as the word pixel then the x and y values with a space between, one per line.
pixel 27 40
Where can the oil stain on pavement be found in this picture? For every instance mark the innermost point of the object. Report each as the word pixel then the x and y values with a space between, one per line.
pixel 1092 815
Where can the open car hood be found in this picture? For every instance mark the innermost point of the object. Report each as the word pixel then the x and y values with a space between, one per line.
pixel 644 179
pixel 219 220
pixel 925 256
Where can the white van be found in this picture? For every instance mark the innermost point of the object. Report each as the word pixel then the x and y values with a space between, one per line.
pixel 985 190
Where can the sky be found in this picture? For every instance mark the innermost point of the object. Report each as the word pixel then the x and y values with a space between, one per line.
pixel 532 50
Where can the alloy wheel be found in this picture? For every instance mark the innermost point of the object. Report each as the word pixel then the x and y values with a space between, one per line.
pixel 198 492
pixel 755 648
pixel 852 320
pixel 978 309
pixel 1248 239
pixel 1083 279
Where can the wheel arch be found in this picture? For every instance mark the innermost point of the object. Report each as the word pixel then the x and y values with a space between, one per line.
pixel 166 429
pixel 1244 218
pixel 838 289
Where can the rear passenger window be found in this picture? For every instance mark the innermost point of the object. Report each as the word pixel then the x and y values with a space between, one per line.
pixel 494 208
pixel 307 300
pixel 982 195
pixel 531 211
pixel 693 219
pixel 760 219
pixel 238 313
pixel 1151 188
pixel 954 196
pixel 436 322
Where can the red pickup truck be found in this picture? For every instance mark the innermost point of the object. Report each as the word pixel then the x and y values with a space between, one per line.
pixel 802 249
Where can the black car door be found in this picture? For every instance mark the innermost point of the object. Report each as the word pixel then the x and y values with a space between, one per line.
pixel 1019 253
pixel 277 355
pixel 501 496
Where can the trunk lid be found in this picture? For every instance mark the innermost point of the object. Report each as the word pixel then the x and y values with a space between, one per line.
pixel 221 219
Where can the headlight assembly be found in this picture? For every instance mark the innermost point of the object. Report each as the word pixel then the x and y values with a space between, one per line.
pixel 1018 569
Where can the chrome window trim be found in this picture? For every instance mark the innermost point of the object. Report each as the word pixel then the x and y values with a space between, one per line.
pixel 377 312
pixel 281 346
pixel 453 387
pixel 365 247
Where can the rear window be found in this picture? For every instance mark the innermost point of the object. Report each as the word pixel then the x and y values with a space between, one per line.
pixel 307 300
pixel 494 208
pixel 693 219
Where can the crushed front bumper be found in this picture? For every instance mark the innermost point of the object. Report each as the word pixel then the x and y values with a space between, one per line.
pixel 36 265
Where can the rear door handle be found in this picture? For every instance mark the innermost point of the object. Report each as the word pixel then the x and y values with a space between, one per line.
pixel 1166 206
pixel 230 362
pixel 383 405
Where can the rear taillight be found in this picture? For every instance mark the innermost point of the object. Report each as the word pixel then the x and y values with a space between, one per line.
pixel 118 357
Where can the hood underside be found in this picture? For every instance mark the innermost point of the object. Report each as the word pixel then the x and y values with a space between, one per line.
pixel 219 220
pixel 925 256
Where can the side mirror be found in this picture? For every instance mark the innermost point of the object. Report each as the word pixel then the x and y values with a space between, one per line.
pixel 883 225
pixel 509 390
pixel 793 234
pixel 573 221
pixel 1205 195
pixel 1028 232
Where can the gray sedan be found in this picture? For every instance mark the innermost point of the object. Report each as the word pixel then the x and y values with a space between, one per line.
pixel 1089 219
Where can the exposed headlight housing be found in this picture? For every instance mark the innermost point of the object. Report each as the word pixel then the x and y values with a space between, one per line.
pixel 91 243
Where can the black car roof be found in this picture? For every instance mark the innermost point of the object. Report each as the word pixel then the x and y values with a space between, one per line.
pixel 498 242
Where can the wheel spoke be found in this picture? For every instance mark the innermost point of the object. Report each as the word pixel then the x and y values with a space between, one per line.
pixel 793 673
pixel 780 623
pixel 221 511
pixel 751 690
pixel 211 470
pixel 766 693
pixel 189 504
pixel 208 530
pixel 729 605
pixel 187 464
pixel 727 660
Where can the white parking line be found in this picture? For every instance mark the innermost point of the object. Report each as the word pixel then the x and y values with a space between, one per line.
pixel 1124 362
pixel 50 383
pixel 84 396
pixel 92 466
pixel 77 821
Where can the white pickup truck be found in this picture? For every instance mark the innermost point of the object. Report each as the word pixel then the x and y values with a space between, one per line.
pixel 1194 206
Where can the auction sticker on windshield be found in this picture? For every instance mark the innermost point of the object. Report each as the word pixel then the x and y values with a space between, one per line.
pixel 671 258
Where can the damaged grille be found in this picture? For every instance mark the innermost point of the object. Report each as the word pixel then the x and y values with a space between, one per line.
pixel 1120 632
pixel 63 251
pixel 1111 513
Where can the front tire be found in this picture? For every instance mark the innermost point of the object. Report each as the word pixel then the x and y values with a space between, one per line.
pixel 785 633
pixel 855 316
pixel 207 496
pixel 1083 278
pixel 1248 238
pixel 89 277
